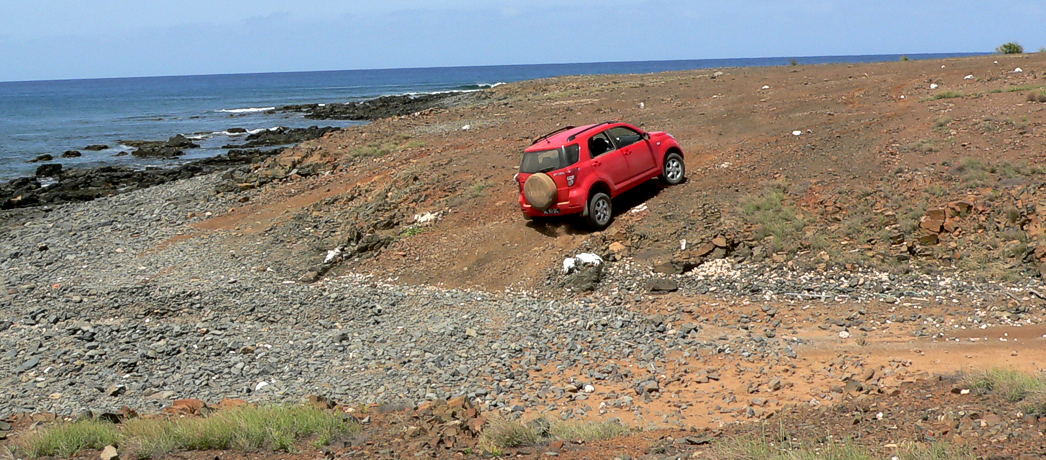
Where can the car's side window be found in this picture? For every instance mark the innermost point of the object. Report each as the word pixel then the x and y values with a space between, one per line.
pixel 573 152
pixel 624 136
pixel 599 144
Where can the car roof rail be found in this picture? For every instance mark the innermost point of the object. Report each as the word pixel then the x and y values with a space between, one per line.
pixel 565 128
pixel 574 136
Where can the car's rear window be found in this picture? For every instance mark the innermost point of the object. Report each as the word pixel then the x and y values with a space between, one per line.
pixel 549 160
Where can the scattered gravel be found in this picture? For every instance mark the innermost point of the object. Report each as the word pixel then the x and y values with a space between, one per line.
pixel 120 302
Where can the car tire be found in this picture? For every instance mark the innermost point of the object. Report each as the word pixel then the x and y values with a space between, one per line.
pixel 674 170
pixel 600 211
pixel 540 191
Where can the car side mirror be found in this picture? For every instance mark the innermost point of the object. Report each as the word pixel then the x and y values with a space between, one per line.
pixel 646 136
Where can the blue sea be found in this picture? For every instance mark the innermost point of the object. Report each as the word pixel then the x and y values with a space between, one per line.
pixel 51 117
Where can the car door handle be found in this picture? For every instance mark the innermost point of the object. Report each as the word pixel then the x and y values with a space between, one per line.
pixel 628 152
pixel 595 163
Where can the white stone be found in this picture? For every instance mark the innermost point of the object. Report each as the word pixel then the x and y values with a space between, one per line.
pixel 1018 70
pixel 797 133
pixel 587 258
pixel 844 335
pixel 261 385
pixel 426 218
pixel 968 77
pixel 466 127
pixel 332 255
pixel 933 85
pixel 766 86
pixel 590 389
pixel 570 264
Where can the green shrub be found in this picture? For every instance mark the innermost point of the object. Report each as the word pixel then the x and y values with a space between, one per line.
pixel 770 216
pixel 503 433
pixel 1010 48
pixel 1016 386
pixel 66 440
pixel 946 95
pixel 275 428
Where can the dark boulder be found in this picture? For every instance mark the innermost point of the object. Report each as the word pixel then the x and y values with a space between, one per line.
pixel 44 157
pixel 181 142
pixel 157 150
pixel 71 154
pixel 661 285
pixel 49 169
pixel 96 148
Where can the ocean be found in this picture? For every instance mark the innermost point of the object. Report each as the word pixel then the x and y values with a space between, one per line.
pixel 51 117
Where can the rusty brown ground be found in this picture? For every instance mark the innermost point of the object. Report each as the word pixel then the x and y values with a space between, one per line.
pixel 877 152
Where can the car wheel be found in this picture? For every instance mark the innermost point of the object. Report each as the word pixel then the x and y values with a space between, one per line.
pixel 674 170
pixel 599 211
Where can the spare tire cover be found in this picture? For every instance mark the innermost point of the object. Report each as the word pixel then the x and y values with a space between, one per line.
pixel 540 191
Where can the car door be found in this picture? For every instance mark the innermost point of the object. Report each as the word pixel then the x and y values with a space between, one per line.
pixel 608 161
pixel 634 148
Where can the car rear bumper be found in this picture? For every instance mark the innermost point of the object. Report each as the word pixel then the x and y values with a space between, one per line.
pixel 559 209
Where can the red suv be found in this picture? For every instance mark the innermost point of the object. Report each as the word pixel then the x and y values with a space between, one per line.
pixel 577 170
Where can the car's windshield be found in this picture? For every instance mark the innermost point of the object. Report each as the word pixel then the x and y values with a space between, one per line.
pixel 548 160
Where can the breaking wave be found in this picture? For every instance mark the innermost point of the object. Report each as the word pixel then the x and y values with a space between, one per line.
pixel 247 110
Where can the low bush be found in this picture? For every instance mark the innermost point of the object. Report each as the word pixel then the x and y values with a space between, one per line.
pixel 1010 48
pixel 275 428
pixel 502 433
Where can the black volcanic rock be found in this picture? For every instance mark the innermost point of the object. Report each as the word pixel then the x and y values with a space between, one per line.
pixel 283 136
pixel 89 183
pixel 180 142
pixel 71 154
pixel 49 169
pixel 173 147
pixel 372 109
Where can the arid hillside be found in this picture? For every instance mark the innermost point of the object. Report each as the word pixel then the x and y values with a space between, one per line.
pixel 924 166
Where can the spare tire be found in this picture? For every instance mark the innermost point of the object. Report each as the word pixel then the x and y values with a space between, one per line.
pixel 540 191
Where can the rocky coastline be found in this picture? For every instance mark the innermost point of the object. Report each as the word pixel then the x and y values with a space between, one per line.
pixel 54 184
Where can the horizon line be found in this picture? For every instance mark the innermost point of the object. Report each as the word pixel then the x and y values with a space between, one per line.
pixel 916 55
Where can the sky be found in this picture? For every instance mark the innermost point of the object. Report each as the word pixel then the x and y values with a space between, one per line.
pixel 71 39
